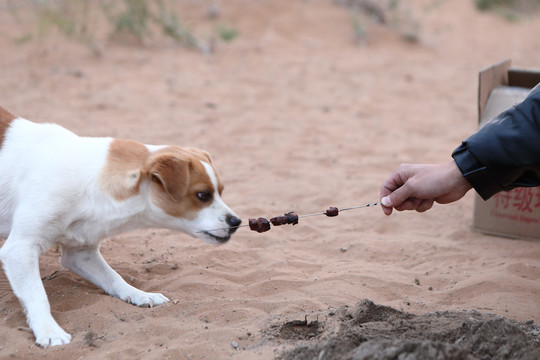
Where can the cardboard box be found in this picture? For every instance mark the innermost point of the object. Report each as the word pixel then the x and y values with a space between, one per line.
pixel 515 213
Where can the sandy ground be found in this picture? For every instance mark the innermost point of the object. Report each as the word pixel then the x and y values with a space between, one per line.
pixel 298 116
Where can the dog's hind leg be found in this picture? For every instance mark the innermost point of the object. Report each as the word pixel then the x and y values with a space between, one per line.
pixel 88 263
pixel 20 258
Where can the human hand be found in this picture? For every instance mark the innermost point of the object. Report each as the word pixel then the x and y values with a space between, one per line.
pixel 417 187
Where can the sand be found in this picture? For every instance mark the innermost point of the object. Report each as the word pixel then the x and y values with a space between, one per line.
pixel 299 115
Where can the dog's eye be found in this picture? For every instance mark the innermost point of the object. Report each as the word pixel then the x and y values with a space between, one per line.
pixel 204 196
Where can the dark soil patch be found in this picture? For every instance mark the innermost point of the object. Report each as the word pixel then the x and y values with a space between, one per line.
pixel 370 331
pixel 300 329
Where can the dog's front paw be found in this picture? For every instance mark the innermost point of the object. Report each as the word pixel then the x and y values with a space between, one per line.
pixel 144 299
pixel 51 335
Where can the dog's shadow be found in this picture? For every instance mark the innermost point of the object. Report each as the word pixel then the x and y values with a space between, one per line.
pixel 67 291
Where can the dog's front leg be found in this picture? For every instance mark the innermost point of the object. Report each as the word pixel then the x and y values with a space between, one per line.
pixel 21 265
pixel 88 263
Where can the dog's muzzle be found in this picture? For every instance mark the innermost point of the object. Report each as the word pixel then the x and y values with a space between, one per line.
pixel 233 222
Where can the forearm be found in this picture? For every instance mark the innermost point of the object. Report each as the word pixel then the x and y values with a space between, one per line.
pixel 505 153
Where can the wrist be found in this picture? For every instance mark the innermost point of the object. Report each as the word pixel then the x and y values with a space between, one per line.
pixel 476 174
pixel 458 179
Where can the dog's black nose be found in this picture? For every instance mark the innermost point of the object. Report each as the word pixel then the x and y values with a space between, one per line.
pixel 233 221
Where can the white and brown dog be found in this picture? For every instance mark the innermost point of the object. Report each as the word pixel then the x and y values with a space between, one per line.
pixel 59 188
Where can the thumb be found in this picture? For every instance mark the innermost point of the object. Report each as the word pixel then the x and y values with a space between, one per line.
pixel 397 197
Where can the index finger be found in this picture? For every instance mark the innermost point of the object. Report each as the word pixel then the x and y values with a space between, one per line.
pixel 393 182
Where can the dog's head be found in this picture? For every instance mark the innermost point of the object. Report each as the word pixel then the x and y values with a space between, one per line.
pixel 183 187
pixel 186 187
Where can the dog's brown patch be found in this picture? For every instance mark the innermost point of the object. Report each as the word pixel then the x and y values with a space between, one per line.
pixel 178 175
pixel 5 121
pixel 172 173
pixel 123 171
pixel 204 156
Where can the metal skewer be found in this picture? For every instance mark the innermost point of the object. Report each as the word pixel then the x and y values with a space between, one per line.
pixel 340 210
pixel 304 216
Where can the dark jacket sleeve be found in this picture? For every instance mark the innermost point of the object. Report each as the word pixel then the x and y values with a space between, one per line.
pixel 504 153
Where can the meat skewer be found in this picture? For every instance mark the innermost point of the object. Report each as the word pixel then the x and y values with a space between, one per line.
pixel 262 225
pixel 331 211
pixel 279 220
pixel 259 225
pixel 292 218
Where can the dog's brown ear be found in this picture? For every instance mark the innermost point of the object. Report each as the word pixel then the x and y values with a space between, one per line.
pixel 172 174
pixel 203 155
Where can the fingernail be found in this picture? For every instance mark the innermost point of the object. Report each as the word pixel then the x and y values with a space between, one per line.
pixel 386 201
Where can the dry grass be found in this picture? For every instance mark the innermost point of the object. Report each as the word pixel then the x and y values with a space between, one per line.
pixel 129 22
